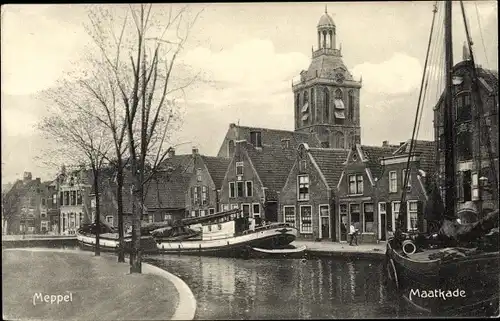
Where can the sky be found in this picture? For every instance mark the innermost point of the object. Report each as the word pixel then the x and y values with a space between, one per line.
pixel 251 51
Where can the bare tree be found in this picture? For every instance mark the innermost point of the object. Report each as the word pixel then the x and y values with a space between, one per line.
pixel 77 138
pixel 140 47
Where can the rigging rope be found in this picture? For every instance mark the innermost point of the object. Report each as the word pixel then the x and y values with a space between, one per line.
pixel 481 35
pixel 402 205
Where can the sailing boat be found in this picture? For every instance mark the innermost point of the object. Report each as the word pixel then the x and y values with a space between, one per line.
pixel 452 270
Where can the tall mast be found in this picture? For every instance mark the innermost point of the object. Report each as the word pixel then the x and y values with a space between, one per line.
pixel 449 156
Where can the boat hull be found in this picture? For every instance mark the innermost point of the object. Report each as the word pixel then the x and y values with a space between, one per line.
pixel 111 244
pixel 237 246
pixel 464 286
pixel 295 253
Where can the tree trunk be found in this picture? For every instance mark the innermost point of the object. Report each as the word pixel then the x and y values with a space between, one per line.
pixel 119 196
pixel 97 213
pixel 135 254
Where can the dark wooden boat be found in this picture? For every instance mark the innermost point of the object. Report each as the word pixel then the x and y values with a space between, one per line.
pixel 108 239
pixel 452 270
pixel 282 253
pixel 226 234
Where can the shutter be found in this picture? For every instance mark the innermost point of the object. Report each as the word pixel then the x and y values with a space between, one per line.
pixel 208 194
pixel 460 187
pixel 191 191
pixel 198 188
pixel 388 209
pixel 420 217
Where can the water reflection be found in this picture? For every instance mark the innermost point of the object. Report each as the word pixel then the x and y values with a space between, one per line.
pixel 283 289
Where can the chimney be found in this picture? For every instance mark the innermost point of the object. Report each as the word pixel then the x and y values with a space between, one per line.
pixel 27 176
pixel 385 143
pixel 171 152
pixel 232 125
pixel 401 143
pixel 195 151
pixel 38 180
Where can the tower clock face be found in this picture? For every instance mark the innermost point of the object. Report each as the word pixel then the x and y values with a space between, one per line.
pixel 339 77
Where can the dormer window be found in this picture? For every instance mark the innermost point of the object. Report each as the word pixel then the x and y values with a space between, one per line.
pixel 285 143
pixel 239 168
pixel 256 139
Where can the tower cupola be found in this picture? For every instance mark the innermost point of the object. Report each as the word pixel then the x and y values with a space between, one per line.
pixel 326 31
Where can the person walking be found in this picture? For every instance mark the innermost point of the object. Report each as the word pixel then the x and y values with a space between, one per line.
pixel 354 234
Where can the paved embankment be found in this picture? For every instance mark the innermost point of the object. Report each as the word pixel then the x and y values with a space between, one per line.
pixel 326 248
pixel 84 287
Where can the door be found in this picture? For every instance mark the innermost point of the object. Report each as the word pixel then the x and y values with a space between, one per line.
pixel 344 227
pixel 383 223
pixel 325 227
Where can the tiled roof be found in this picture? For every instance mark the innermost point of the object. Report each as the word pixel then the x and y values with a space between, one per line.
pixel 274 137
pixel 324 66
pixel 374 155
pixel 273 165
pixel 425 149
pixel 330 162
pixel 217 167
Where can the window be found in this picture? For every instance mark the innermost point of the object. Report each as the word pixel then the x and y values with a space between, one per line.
pixel 306 219
pixel 249 188
pixel 225 207
pixel 109 220
pixel 463 107
pixel 246 210
pixel 73 197
pixel 395 214
pixel 240 187
pixel 211 211
pixel 198 174
pixel 326 115
pixel 474 187
pixel 350 101
pixel 239 168
pixel 464 144
pixel 403 177
pixel 43 201
pixel 289 214
pixel 464 186
pixel 232 191
pixel 78 197
pixel 202 212
pixel 256 209
pixel 355 215
pixel 325 144
pixel 66 198
pixel 368 218
pixel 61 198
pixel 285 143
pixel 54 199
pixel 204 195
pixel 412 215
pixel 313 102
pixel 393 182
pixel 297 103
pixel 355 184
pixel 339 140
pixel 234 206
pixel 302 165
pixel 196 196
pixel 324 210
pixel 230 148
pixel 303 188
pixel 255 139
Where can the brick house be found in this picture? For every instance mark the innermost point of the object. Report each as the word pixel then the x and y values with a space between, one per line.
pixel 307 199
pixel 476 122
pixel 390 185
pixel 22 205
pixel 254 177
pixel 205 184
pixel 357 192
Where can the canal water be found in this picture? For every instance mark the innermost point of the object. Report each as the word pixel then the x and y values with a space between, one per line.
pixel 285 288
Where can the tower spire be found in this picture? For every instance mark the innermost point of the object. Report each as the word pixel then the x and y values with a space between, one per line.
pixel 326 8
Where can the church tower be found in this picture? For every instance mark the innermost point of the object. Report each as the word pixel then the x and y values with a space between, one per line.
pixel 327 96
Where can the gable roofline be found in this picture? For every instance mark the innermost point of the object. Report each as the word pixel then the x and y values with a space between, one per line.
pixel 320 172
